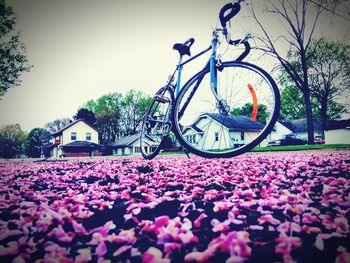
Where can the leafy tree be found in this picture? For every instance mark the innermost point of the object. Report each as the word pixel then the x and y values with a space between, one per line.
pixel 35 139
pixel 134 107
pixel 56 125
pixel 13 59
pixel 107 110
pixel 118 115
pixel 292 104
pixel 86 115
pixel 299 18
pixel 11 141
pixel 329 66
pixel 246 110
pixel 329 77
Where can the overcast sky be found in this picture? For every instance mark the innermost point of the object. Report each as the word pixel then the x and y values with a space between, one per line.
pixel 83 49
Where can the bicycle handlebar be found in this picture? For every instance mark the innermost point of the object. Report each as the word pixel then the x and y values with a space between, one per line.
pixel 229 11
pixel 189 42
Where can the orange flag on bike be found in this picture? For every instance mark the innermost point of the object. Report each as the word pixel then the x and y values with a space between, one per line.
pixel 255 102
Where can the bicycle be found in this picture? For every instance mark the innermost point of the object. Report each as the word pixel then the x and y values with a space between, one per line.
pixel 224 110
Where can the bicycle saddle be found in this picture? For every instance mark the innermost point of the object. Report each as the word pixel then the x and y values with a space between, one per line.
pixel 184 48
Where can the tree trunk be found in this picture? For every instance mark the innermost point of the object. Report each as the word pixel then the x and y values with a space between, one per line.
pixel 324 115
pixel 309 118
pixel 307 96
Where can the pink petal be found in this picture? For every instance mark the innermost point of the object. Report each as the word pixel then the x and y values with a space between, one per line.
pixel 7 233
pixel 11 250
pixel 101 249
pixel 84 255
pixel 169 247
pixel 197 256
pixel 319 243
pixel 121 250
pixel 161 221
pixel 199 219
pixel 256 227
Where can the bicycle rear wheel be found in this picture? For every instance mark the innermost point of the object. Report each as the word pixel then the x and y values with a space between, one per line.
pixel 244 115
pixel 157 123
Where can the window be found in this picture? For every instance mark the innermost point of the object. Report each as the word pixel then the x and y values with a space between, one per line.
pixel 216 136
pixel 137 149
pixel 191 138
pixel 242 136
pixel 73 136
pixel 88 136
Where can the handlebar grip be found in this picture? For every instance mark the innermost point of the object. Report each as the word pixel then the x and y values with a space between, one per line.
pixel 233 10
pixel 189 42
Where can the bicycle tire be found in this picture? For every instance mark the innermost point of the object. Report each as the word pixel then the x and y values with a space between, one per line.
pixel 150 145
pixel 184 123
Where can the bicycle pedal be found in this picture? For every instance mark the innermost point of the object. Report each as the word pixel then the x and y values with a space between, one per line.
pixel 161 99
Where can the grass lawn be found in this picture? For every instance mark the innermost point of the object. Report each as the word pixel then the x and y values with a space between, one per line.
pixel 283 148
pixel 302 147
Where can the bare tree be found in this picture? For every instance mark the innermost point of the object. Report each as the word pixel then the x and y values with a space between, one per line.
pixel 299 18
pixel 56 125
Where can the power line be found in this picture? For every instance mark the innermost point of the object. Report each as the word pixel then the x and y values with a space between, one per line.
pixel 329 10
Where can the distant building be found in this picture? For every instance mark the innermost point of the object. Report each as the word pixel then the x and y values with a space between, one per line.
pixel 77 139
pixel 299 127
pixel 127 145
pixel 338 132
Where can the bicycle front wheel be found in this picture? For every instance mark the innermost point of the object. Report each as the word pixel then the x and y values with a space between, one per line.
pixel 231 120
pixel 157 123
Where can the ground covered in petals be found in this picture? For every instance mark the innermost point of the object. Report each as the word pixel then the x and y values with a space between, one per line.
pixel 254 208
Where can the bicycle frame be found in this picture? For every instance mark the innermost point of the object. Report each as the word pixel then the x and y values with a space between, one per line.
pixel 180 65
pixel 212 67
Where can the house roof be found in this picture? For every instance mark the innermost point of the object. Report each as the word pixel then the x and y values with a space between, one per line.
pixel 127 140
pixel 194 127
pixel 300 125
pixel 236 123
pixel 70 125
pixel 338 124
pixel 85 144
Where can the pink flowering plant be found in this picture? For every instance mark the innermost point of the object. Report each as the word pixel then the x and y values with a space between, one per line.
pixel 291 207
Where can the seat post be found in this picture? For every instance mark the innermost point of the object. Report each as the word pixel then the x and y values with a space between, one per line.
pixel 178 82
pixel 180 59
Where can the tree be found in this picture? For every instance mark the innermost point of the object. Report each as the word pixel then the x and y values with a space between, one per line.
pixel 246 110
pixel 35 139
pixel 57 124
pixel 296 18
pixel 329 66
pixel 11 141
pixel 292 103
pixel 292 106
pixel 134 107
pixel 118 115
pixel 86 115
pixel 13 59
pixel 107 110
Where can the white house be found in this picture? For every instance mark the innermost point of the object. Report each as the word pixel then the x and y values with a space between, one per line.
pixel 299 127
pixel 277 132
pixel 127 145
pixel 214 131
pixel 74 140
pixel 338 132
